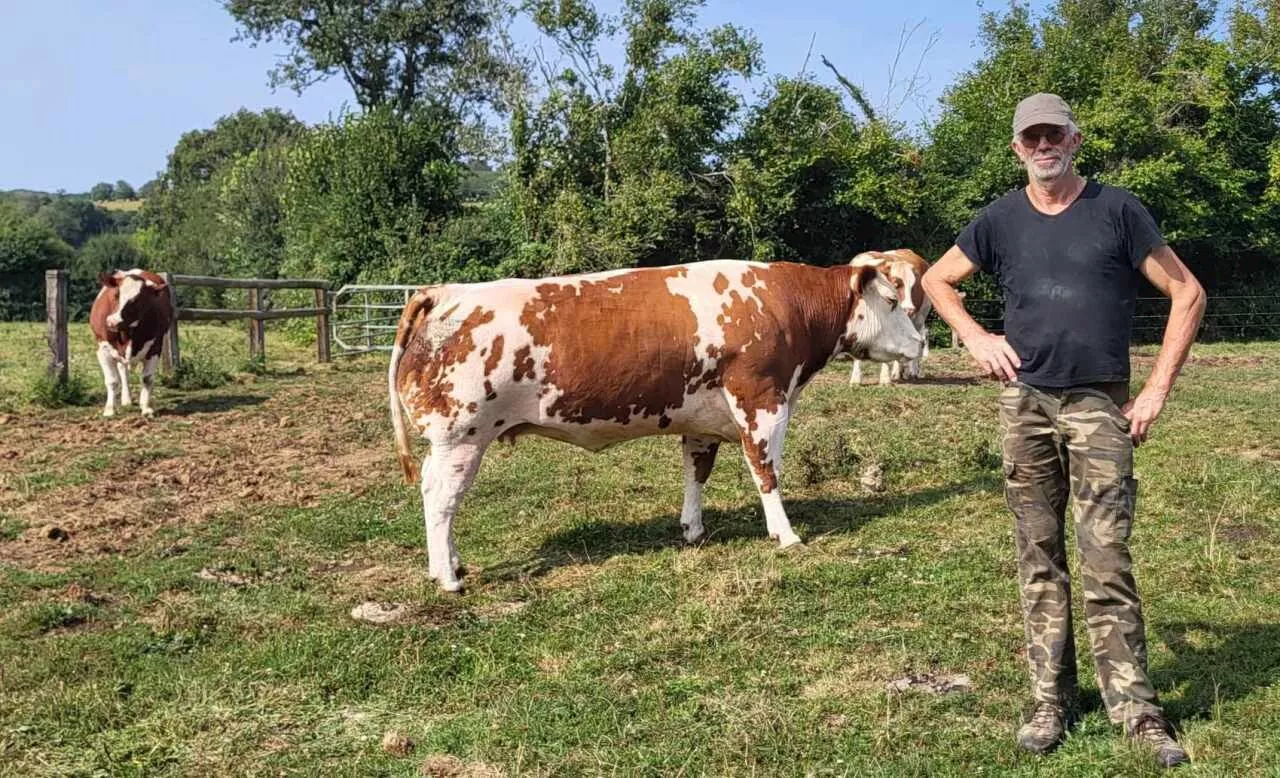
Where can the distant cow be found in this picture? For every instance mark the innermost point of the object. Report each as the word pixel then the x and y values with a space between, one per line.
pixel 714 351
pixel 129 319
pixel 905 268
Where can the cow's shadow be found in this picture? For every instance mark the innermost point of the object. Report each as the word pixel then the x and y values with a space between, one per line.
pixel 218 404
pixel 1215 663
pixel 599 540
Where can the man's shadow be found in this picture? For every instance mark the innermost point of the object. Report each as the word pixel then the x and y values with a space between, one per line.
pixel 1215 663
pixel 599 540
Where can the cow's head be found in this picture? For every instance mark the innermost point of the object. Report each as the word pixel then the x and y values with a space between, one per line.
pixel 880 328
pixel 905 268
pixel 133 289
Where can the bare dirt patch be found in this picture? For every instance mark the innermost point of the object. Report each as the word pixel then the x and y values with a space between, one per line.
pixel 119 481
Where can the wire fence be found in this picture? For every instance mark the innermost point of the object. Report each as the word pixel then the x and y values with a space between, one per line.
pixel 1226 317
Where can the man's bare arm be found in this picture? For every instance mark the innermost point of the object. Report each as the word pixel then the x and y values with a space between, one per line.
pixel 992 352
pixel 1167 273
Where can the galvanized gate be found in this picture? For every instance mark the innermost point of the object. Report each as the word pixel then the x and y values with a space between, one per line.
pixel 364 316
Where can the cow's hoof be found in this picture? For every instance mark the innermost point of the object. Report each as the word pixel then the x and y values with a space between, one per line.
pixel 787 541
pixel 452 587
pixel 147 413
pixel 108 413
pixel 694 537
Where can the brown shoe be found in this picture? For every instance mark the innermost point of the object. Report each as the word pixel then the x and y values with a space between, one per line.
pixel 1044 730
pixel 1154 732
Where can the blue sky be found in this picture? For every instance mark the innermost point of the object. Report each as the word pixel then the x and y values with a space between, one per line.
pixel 98 91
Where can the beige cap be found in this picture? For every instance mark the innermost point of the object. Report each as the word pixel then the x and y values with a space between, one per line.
pixel 1041 108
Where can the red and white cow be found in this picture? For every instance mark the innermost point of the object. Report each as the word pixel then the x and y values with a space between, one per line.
pixel 714 351
pixel 129 319
pixel 905 268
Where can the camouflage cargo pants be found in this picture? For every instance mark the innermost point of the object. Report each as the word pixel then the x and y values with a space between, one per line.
pixel 1072 445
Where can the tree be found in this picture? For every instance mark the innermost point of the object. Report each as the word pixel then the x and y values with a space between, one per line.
pixel 147 189
pixel 101 191
pixel 809 181
pixel 392 52
pixel 123 191
pixel 75 220
pixel 617 169
pixel 182 214
pixel 364 197
pixel 28 247
pixel 110 251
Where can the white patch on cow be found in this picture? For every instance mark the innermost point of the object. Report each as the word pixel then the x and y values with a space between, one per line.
pixel 129 287
pixel 110 376
pixel 148 379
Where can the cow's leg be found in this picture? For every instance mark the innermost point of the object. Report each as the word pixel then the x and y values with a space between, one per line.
pixel 123 369
pixel 109 376
pixel 890 372
pixel 446 474
pixel 762 448
pixel 699 457
pixel 855 377
pixel 148 381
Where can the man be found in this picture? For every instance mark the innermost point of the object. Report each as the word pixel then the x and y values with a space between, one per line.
pixel 1067 253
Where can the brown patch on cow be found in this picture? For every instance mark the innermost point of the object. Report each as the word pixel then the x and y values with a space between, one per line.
pixel 428 368
pixel 757 452
pixel 472 407
pixel 489 394
pixel 471 431
pixel 664 421
pixel 523 365
pixel 749 279
pixel 499 423
pixel 588 318
pixel 703 461
pixel 720 284
pixel 795 321
pixel 495 356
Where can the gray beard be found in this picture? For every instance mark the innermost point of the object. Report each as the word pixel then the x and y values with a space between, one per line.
pixel 1057 171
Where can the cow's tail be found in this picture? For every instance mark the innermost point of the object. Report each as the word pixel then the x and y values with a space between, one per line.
pixel 417 307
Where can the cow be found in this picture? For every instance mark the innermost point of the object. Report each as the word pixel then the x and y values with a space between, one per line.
pixel 715 351
pixel 906 268
pixel 129 319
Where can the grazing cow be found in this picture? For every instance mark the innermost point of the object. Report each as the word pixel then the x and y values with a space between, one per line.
pixel 129 319
pixel 714 351
pixel 905 268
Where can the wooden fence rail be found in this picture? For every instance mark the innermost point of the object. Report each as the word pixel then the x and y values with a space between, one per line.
pixel 256 314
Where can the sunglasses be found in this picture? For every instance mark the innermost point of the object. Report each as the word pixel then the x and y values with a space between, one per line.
pixel 1030 138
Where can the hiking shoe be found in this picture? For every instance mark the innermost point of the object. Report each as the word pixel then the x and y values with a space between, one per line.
pixel 1044 730
pixel 1152 731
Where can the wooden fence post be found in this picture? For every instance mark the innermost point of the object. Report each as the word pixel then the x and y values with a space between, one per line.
pixel 257 327
pixel 170 357
pixel 322 325
pixel 55 301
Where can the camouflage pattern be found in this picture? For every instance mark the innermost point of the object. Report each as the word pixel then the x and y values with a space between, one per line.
pixel 1072 446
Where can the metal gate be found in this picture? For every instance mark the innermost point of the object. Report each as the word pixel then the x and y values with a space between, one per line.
pixel 365 316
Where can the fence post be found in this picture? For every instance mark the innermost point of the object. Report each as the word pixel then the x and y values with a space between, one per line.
pixel 322 325
pixel 169 354
pixel 257 329
pixel 55 301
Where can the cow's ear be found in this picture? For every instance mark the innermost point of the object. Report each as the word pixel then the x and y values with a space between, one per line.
pixel 153 281
pixel 109 278
pixel 869 258
pixel 863 275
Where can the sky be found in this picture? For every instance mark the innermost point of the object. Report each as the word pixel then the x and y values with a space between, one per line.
pixel 101 91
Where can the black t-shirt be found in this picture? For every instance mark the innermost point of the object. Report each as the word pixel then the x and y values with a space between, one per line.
pixel 1069 280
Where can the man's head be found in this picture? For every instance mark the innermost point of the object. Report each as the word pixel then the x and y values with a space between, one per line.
pixel 1045 136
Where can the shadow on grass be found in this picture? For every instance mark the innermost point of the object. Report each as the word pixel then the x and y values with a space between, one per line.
pixel 1217 663
pixel 596 541
pixel 212 404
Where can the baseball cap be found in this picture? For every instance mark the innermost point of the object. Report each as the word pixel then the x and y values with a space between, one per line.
pixel 1041 108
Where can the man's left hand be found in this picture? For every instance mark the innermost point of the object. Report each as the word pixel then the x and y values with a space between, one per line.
pixel 1142 411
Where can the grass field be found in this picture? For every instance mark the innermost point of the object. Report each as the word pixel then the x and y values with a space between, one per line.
pixel 195 619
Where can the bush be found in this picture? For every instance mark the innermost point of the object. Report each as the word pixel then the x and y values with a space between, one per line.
pixel 196 371
pixel 48 392
pixel 825 453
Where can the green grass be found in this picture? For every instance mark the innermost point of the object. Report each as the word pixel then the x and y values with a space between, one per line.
pixel 590 640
